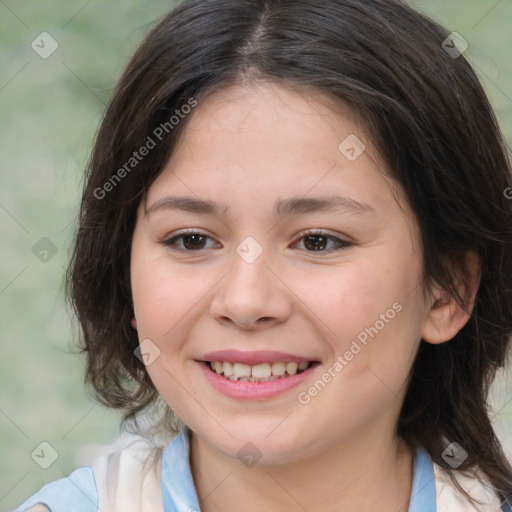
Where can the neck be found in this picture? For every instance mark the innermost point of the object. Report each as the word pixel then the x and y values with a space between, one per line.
pixel 366 473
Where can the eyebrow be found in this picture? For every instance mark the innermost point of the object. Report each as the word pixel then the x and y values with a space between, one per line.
pixel 292 205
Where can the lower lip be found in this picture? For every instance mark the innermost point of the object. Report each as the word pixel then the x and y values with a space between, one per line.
pixel 244 390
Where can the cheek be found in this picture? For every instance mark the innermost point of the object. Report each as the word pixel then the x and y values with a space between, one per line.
pixel 368 312
pixel 162 296
pixel 346 300
pixel 167 306
pixel 169 302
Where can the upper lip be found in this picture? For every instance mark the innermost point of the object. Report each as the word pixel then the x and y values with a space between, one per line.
pixel 252 357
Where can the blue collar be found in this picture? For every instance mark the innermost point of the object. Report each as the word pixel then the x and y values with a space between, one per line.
pixel 180 494
pixel 423 492
pixel 177 483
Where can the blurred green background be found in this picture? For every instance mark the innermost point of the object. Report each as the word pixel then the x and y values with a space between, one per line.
pixel 50 110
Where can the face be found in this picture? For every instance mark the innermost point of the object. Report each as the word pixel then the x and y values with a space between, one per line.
pixel 335 287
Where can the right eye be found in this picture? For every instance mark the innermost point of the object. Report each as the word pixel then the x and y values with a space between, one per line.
pixel 193 241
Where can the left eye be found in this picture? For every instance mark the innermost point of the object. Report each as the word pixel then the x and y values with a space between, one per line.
pixel 318 240
pixel 315 241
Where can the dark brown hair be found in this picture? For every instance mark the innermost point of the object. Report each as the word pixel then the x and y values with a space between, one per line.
pixel 431 122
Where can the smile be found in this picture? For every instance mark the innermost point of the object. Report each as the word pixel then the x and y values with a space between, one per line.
pixel 261 381
pixel 263 372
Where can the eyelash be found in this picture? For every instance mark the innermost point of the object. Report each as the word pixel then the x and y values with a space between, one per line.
pixel 341 244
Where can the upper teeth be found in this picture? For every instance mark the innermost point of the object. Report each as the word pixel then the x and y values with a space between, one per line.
pixel 234 371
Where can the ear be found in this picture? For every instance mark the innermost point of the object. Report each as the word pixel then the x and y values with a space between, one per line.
pixel 134 323
pixel 445 317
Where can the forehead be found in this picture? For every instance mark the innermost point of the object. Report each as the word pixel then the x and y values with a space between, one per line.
pixel 274 116
pixel 256 145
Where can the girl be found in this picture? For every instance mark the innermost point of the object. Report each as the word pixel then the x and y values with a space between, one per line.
pixel 295 242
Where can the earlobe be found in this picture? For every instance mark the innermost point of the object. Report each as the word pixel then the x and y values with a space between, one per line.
pixel 134 323
pixel 446 317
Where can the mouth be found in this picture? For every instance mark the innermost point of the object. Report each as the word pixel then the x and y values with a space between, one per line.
pixel 255 375
pixel 262 372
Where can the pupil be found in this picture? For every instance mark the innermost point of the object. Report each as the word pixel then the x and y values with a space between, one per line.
pixel 316 245
pixel 197 239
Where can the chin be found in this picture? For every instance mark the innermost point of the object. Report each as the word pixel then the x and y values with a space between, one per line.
pixel 257 443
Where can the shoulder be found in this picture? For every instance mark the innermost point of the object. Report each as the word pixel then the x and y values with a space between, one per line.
pixel 122 476
pixel 128 477
pixel 450 499
pixel 75 492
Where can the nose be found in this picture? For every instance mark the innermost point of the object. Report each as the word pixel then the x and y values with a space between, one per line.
pixel 252 296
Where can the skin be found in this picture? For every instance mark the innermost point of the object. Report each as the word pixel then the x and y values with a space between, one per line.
pixel 248 146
